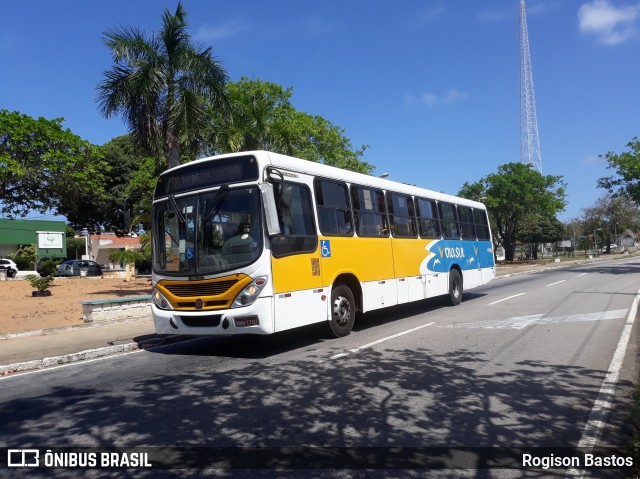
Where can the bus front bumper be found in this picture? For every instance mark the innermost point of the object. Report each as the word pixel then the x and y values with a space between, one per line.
pixel 254 319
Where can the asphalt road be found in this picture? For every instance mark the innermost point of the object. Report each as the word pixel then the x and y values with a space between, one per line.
pixel 522 362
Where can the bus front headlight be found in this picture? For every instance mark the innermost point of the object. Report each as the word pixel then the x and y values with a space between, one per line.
pixel 249 294
pixel 159 300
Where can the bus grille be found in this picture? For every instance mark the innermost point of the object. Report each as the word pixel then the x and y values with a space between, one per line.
pixel 201 321
pixel 213 288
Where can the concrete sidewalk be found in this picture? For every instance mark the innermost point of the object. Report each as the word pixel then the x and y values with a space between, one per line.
pixel 40 349
pixel 45 348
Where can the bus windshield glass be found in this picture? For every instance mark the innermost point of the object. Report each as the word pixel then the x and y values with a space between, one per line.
pixel 207 233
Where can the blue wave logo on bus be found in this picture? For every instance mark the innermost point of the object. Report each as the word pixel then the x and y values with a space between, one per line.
pixel 443 253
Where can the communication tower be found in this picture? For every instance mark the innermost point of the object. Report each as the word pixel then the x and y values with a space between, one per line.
pixel 529 139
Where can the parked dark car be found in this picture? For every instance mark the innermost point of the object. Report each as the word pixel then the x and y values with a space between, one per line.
pixel 40 264
pixel 9 266
pixel 73 267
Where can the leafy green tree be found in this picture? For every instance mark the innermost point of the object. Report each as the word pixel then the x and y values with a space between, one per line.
pixel 536 229
pixel 44 167
pixel 128 193
pixel 261 117
pixel 627 167
pixel 159 84
pixel 610 215
pixel 515 191
pixel 140 190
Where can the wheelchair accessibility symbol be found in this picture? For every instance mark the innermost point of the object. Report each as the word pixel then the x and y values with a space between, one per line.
pixel 325 246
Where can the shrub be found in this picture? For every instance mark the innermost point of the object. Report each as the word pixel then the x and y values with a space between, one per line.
pixel 25 257
pixel 50 266
pixel 38 283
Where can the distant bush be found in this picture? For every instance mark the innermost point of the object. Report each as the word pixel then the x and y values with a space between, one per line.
pixel 49 267
pixel 25 257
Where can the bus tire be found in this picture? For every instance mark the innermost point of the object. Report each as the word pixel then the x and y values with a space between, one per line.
pixel 455 287
pixel 343 310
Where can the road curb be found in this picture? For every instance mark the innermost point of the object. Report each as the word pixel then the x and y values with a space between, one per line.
pixel 67 358
pixel 88 354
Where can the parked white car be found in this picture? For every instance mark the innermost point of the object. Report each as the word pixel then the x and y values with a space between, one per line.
pixel 9 266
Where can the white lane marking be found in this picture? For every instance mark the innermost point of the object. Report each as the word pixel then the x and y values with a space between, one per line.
pixel 368 345
pixel 595 423
pixel 505 299
pixel 557 282
pixel 521 322
pixel 581 275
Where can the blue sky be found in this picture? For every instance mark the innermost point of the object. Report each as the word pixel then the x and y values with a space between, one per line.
pixel 431 86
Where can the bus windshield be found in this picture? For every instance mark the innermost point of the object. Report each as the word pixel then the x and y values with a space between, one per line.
pixel 207 233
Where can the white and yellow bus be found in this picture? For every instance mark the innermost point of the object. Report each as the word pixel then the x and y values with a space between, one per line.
pixel 258 242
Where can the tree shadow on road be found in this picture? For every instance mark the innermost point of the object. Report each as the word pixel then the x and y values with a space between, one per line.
pixel 399 398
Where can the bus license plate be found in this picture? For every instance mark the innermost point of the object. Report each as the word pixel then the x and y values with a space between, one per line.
pixel 244 322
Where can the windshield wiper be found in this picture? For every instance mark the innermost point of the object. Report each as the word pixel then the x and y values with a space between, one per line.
pixel 216 204
pixel 174 205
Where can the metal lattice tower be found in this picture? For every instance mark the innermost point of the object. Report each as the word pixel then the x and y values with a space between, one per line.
pixel 529 139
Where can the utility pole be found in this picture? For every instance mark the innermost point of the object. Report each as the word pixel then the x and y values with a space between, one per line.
pixel 529 138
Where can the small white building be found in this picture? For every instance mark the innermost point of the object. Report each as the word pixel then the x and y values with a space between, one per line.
pixel 101 245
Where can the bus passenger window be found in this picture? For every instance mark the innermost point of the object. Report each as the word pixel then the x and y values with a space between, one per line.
pixel 334 212
pixel 369 212
pixel 401 215
pixel 450 228
pixel 428 217
pixel 465 215
pixel 296 221
pixel 482 224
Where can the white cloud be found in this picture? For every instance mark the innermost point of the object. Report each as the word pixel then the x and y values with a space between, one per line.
pixel 611 24
pixel 430 99
pixel 215 32
pixel 592 160
pixel 455 96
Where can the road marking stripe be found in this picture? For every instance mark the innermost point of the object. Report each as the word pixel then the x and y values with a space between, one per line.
pixel 581 275
pixel 521 322
pixel 368 345
pixel 557 282
pixel 595 423
pixel 505 299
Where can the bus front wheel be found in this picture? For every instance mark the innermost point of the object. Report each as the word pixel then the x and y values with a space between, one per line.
pixel 455 287
pixel 343 310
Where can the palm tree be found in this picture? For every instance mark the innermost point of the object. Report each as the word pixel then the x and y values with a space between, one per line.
pixel 260 117
pixel 159 84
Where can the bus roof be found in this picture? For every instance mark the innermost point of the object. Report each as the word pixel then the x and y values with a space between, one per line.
pixel 307 167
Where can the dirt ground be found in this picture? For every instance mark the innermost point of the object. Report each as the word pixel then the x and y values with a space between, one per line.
pixel 22 312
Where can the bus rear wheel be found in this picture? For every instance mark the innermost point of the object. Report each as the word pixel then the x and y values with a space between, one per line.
pixel 343 310
pixel 455 287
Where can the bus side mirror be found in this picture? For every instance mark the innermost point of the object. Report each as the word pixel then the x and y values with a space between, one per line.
pixel 270 209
